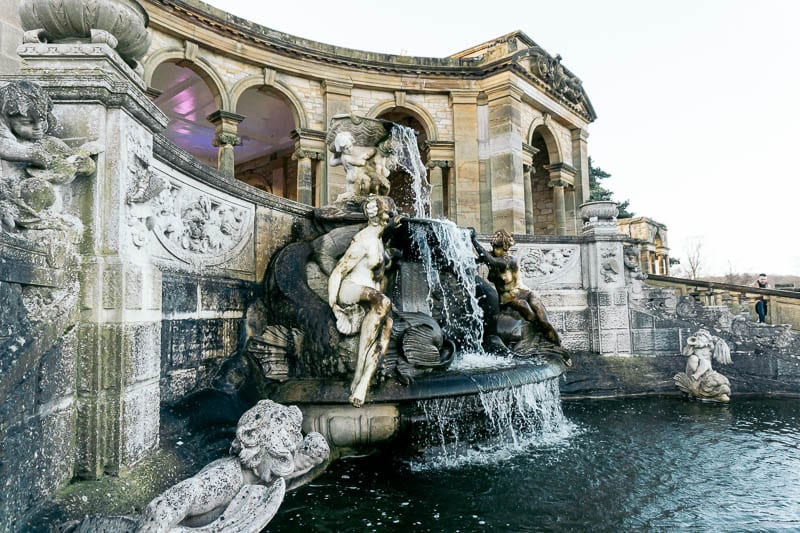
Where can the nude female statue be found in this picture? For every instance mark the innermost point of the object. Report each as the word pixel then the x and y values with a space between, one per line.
pixel 356 299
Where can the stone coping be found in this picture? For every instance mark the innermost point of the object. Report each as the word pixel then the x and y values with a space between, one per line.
pixel 183 161
pixel 445 384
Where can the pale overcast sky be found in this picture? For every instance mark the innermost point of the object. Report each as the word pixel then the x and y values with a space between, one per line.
pixel 696 100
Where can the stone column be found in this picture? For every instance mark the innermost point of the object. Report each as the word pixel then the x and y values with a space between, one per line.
pixel 580 162
pixel 572 217
pixel 98 97
pixel 561 176
pixel 560 206
pixel 226 138
pixel 437 188
pixel 528 152
pixel 466 181
pixel 309 148
pixel 505 156
pixel 336 95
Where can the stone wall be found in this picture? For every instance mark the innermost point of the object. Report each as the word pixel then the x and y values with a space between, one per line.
pixel 10 36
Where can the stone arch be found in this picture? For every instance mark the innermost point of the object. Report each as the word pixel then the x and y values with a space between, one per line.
pixel 268 130
pixel 403 189
pixel 540 125
pixel 544 204
pixel 199 66
pixel 297 108
pixel 419 113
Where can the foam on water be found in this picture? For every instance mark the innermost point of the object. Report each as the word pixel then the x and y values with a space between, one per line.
pixel 509 421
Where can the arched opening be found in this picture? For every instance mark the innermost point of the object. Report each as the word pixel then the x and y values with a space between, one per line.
pixel 264 160
pixel 187 99
pixel 542 202
pixel 401 190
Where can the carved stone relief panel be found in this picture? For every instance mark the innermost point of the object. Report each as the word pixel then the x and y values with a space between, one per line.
pixel 549 264
pixel 194 223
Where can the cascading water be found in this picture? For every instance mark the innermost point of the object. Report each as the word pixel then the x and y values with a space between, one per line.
pixel 491 425
pixel 403 144
pixel 453 253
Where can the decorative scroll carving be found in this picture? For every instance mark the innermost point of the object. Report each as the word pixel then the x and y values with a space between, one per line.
pixel 542 264
pixel 122 24
pixel 556 76
pixel 194 226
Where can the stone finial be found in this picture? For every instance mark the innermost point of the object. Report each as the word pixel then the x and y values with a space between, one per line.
pixel 122 24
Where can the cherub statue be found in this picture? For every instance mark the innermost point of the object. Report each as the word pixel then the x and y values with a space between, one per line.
pixel 33 163
pixel 700 380
pixel 244 491
pixel 358 144
pixel 354 294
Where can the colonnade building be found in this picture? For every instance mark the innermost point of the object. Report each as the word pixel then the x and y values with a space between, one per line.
pixel 502 126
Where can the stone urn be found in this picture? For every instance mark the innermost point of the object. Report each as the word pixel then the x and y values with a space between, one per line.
pixel 599 217
pixel 65 21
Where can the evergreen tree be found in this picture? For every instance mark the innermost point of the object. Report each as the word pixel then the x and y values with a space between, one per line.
pixel 597 192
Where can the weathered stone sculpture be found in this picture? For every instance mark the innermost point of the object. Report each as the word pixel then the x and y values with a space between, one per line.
pixel 355 284
pixel 33 164
pixel 242 492
pixel 700 380
pixel 360 146
pixel 513 293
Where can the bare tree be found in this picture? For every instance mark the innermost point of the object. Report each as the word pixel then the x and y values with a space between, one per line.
pixel 694 256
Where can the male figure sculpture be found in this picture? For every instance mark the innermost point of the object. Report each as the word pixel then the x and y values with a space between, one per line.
pixel 355 284
pixel 504 273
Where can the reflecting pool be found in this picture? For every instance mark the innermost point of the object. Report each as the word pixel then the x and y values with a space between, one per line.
pixel 662 464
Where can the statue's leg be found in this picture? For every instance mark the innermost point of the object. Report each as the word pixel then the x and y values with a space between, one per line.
pixel 538 309
pixel 372 344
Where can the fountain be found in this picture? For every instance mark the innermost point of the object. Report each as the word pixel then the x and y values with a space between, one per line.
pixel 389 299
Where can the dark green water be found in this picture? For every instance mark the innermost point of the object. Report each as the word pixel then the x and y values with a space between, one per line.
pixel 650 464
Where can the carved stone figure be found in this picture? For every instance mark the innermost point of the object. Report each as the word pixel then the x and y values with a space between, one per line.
pixel 244 491
pixel 504 274
pixel 354 294
pixel 630 258
pixel 361 146
pixel 700 380
pixel 33 164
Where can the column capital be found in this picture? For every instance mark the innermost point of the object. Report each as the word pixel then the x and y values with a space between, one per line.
pixel 579 134
pixel 464 96
pixel 221 116
pixel 439 163
pixel 226 139
pixel 340 87
pixel 504 91
pixel 561 172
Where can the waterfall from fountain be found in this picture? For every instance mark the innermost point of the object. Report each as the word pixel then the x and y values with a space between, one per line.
pixel 403 144
pixel 454 252
pixel 507 420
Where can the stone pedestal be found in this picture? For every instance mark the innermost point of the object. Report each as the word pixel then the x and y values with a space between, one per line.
pixel 98 97
pixel 605 272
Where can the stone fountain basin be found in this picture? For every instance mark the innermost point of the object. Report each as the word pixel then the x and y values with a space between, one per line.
pixel 438 385
pixel 348 429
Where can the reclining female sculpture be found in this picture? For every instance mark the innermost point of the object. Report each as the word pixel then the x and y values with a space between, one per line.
pixel 355 283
